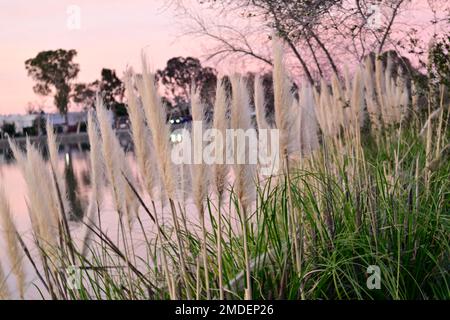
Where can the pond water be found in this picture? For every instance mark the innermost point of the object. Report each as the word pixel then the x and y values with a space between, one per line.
pixel 74 162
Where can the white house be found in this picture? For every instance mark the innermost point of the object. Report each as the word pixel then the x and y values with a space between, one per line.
pixel 58 121
pixel 20 121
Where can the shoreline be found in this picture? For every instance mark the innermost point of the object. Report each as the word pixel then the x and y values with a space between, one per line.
pixel 64 138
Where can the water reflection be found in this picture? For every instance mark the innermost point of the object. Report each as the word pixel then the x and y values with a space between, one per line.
pixel 73 162
pixel 73 193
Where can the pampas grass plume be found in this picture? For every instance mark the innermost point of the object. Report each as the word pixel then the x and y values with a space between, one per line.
pixel 12 245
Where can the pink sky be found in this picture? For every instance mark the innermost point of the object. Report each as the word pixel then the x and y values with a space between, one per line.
pixel 112 35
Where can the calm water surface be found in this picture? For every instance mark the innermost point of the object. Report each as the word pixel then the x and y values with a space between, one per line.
pixel 74 162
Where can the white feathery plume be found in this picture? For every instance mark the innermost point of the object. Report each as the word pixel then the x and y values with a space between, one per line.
pixel 220 124
pixel 283 100
pixel 110 155
pixel 183 170
pixel 380 88
pixel 264 134
pixel 95 156
pixel 357 101
pixel 19 155
pixel 338 100
pixel 52 146
pixel 220 168
pixel 403 101
pixel 4 290
pixel 42 206
pixel 59 177
pixel 184 185
pixel 310 139
pixel 260 104
pixel 116 166
pixel 141 138
pixel 347 96
pixel 12 245
pixel 244 186
pixel 47 203
pixel 369 84
pixel 390 93
pixel 145 157
pixel 295 145
pixel 388 72
pixel 297 127
pixel 399 97
pixel 43 209
pixel 199 176
pixel 96 175
pixel 22 163
pixel 414 97
pixel 325 110
pixel 241 119
pixel 156 119
pixel 199 172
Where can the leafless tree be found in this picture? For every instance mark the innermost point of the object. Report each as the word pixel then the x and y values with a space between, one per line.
pixel 322 35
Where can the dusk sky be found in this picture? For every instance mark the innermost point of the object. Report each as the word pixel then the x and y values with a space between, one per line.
pixel 112 34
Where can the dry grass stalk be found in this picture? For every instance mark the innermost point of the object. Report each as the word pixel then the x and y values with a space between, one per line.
pixel 220 169
pixel 12 246
pixel 60 180
pixel 308 120
pixel 244 173
pixel 4 289
pixel 283 101
pixel 156 119
pixel 200 177
pixel 43 206
pixel 96 176
pixel 260 104
pixel 141 138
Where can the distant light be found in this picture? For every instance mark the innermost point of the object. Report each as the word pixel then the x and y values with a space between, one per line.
pixel 177 120
pixel 176 137
pixel 171 121
pixel 67 159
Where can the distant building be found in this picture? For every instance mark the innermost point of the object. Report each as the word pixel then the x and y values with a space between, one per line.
pixel 21 122
pixel 75 121
pixel 28 123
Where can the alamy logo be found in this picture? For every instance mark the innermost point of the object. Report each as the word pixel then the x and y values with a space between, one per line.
pixel 73 21
pixel 374 279
pixel 374 18
pixel 234 146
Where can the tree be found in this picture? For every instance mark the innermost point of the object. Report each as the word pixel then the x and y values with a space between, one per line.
pixel 439 61
pixel 112 89
pixel 322 35
pixel 109 86
pixel 8 128
pixel 269 16
pixel 84 94
pixel 180 74
pixel 267 82
pixel 294 21
pixel 54 70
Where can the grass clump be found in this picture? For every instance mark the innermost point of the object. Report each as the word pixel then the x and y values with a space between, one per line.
pixel 363 185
